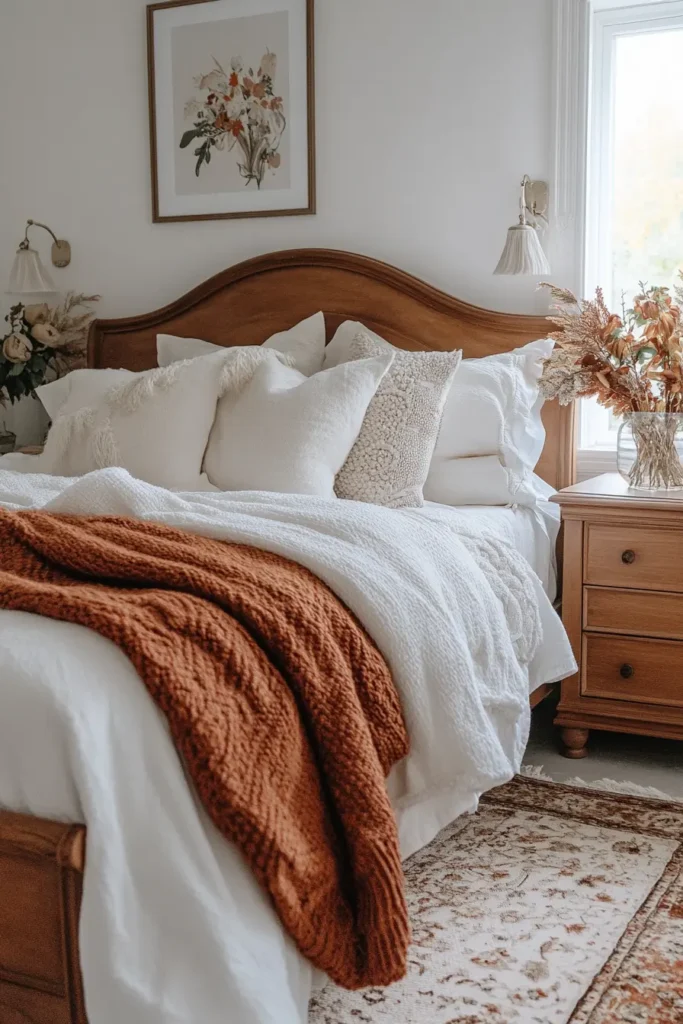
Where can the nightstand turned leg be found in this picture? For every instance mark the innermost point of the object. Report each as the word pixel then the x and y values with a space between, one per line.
pixel 575 743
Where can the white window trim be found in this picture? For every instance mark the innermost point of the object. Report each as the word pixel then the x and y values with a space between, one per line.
pixel 570 105
pixel 594 462
pixel 574 145
pixel 570 101
pixel 570 122
pixel 625 5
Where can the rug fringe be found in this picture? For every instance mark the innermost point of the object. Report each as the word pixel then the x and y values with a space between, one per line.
pixel 535 771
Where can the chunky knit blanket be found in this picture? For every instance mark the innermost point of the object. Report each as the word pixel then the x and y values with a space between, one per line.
pixel 281 705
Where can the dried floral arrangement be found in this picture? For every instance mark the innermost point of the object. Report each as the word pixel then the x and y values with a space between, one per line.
pixel 43 343
pixel 630 363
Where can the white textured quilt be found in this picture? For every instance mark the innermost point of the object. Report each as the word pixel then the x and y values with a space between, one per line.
pixel 174 930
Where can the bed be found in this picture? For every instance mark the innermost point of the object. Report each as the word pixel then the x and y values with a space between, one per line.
pixel 42 861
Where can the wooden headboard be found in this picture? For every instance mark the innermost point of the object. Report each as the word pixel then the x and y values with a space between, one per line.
pixel 245 304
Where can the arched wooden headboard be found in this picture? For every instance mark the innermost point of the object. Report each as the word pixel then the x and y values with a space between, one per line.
pixel 247 303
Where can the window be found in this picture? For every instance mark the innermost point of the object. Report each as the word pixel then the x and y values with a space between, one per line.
pixel 634 208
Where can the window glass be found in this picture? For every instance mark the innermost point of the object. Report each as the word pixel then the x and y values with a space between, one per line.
pixel 647 220
pixel 634 231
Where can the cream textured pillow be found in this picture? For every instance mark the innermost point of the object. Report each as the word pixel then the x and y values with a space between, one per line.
pixel 339 349
pixel 156 425
pixel 289 433
pixel 305 343
pixel 389 462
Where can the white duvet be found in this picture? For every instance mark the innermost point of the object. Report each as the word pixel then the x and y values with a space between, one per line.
pixel 174 930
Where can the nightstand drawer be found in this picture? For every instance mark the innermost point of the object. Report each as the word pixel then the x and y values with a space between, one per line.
pixel 634 557
pixel 622 668
pixel 631 611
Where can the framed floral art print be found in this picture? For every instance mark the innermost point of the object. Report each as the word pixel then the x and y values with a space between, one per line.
pixel 231 100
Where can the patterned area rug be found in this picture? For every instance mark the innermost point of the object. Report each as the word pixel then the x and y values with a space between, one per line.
pixel 551 904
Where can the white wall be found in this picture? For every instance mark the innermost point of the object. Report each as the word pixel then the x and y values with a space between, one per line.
pixel 428 115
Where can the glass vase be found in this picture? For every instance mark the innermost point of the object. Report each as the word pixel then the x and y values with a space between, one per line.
pixel 650 451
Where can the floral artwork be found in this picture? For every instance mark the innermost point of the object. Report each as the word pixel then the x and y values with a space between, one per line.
pixel 237 111
pixel 232 108
pixel 42 344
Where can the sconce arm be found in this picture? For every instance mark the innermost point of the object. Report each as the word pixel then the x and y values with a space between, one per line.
pixel 36 223
pixel 61 250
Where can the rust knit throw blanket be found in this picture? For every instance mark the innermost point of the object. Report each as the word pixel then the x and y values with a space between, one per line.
pixel 281 705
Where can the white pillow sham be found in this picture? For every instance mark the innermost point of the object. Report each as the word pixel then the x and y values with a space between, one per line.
pixel 493 409
pixel 305 343
pixel 289 433
pixel 154 424
pixel 482 480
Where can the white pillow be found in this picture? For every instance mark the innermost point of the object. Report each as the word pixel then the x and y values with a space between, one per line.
pixel 494 408
pixel 154 424
pixel 289 433
pixel 78 389
pixel 305 343
pixel 389 463
pixel 482 480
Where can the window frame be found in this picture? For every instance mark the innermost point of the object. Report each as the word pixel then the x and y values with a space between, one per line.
pixel 585 44
pixel 609 22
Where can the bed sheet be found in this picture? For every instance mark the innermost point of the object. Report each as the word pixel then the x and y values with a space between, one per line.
pixel 532 531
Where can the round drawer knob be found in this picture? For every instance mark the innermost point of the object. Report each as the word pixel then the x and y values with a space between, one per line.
pixel 628 557
pixel 627 671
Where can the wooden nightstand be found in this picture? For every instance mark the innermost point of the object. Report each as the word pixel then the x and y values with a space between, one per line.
pixel 622 606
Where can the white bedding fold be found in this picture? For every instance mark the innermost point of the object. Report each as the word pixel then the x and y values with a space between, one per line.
pixel 173 927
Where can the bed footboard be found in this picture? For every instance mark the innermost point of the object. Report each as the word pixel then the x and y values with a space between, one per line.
pixel 41 881
pixel 41 875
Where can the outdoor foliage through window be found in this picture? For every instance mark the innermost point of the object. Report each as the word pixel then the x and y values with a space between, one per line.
pixel 647 233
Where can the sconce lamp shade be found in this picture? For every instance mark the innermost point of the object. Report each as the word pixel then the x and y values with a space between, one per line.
pixel 523 253
pixel 28 275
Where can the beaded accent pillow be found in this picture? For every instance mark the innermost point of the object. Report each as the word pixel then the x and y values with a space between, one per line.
pixel 389 463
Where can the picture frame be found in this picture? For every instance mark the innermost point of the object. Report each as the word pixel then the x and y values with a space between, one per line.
pixel 231 119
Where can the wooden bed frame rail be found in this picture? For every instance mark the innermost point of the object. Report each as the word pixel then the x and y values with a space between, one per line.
pixel 41 877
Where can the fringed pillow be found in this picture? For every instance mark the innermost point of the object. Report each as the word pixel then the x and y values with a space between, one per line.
pixel 156 425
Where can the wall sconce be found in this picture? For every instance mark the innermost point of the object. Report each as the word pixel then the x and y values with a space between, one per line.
pixel 523 252
pixel 28 275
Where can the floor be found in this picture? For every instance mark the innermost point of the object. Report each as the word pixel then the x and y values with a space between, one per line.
pixel 639 759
